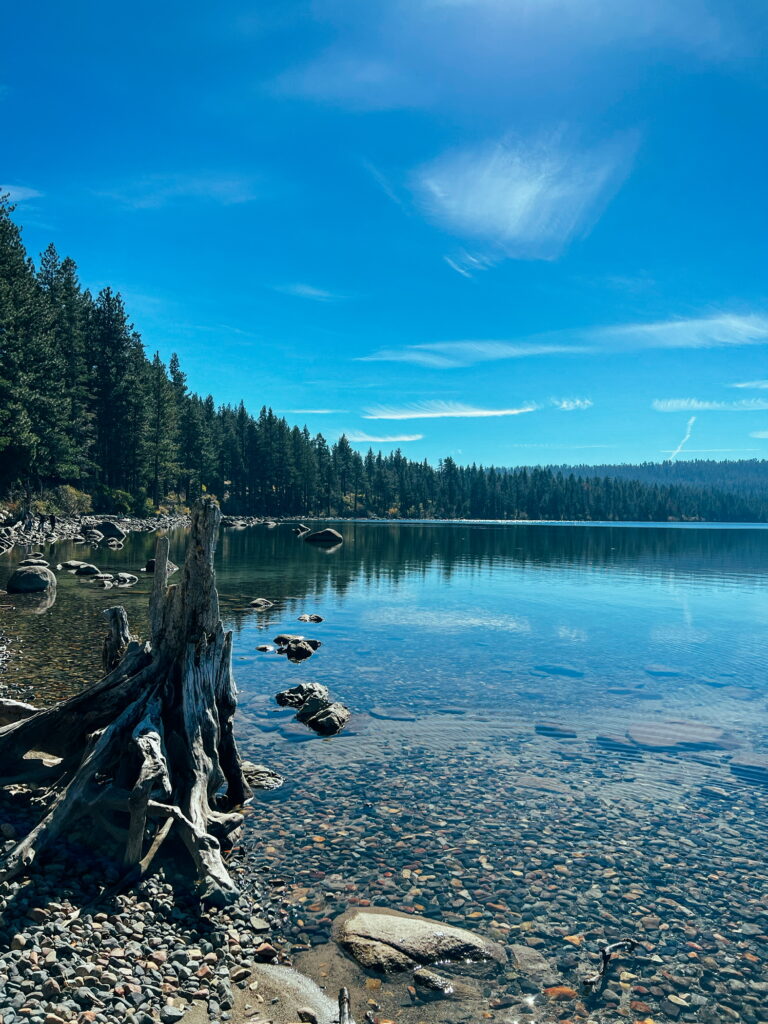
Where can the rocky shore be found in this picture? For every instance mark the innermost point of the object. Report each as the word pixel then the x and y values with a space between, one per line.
pixel 44 530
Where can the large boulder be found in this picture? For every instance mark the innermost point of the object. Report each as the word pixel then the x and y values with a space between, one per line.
pixel 386 940
pixel 111 530
pixel 31 579
pixel 327 536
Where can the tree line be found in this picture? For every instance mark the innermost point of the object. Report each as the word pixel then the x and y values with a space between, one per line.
pixel 88 420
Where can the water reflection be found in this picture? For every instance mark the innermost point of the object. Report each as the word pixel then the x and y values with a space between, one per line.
pixel 568 722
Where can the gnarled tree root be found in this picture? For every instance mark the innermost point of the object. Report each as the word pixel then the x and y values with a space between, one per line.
pixel 148 751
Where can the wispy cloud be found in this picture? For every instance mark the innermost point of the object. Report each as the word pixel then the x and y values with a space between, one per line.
pixel 356 437
pixel 526 200
pixel 439 409
pixel 155 191
pixel 447 354
pixel 720 331
pixel 761 434
pixel 698 405
pixel 569 404
pixel 308 291
pixel 685 440
pixel 752 385
pixel 710 451
pixel 724 330
pixel 18 193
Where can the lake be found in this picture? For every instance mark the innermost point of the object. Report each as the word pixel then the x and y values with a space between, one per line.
pixel 559 736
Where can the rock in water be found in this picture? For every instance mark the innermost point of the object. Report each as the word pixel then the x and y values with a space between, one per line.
pixel 327 536
pixel 297 695
pixel 87 569
pixel 126 579
pixel 258 776
pixel 72 563
pixel 261 603
pixel 33 560
pixel 111 530
pixel 150 566
pixel 30 579
pixel 387 940
pixel 329 719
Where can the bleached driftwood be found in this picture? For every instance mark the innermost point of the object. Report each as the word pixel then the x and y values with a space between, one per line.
pixel 149 750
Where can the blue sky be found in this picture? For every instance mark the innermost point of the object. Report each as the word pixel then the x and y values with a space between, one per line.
pixel 513 231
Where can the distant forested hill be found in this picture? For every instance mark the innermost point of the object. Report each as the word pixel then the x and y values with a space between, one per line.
pixel 87 421
pixel 746 477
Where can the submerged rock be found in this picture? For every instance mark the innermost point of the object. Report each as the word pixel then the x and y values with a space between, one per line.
pixel 261 603
pixel 30 579
pixel 388 940
pixel 33 560
pixel 751 767
pixel 678 735
pixel 310 618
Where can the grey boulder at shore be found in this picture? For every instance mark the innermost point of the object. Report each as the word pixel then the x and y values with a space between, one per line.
pixel 327 536
pixel 31 579
pixel 387 940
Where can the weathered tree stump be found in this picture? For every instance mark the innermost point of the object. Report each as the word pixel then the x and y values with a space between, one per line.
pixel 149 750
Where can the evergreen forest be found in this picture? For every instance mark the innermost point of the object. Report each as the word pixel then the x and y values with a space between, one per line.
pixel 88 421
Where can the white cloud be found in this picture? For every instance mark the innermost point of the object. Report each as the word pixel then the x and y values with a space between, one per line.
pixel 697 405
pixel 439 409
pixel 526 200
pixel 725 330
pixel 569 404
pixel 155 191
pixel 753 385
pixel 18 193
pixel 446 354
pixel 709 451
pixel 356 437
pixel 762 434
pixel 307 291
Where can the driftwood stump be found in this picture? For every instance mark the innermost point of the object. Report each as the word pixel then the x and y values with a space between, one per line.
pixel 149 750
